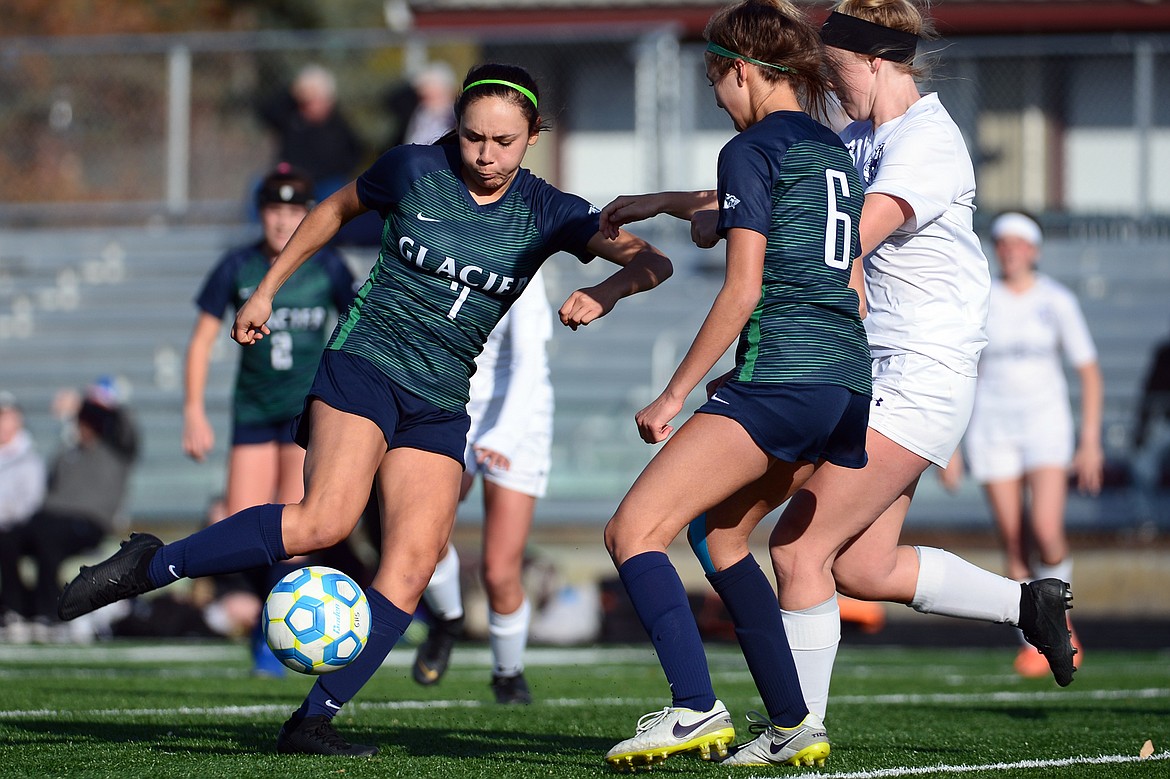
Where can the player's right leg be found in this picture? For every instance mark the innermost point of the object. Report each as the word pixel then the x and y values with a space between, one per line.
pixel 257 536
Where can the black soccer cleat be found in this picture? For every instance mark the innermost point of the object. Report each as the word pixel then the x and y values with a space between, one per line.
pixel 123 575
pixel 511 689
pixel 434 654
pixel 317 736
pixel 1046 625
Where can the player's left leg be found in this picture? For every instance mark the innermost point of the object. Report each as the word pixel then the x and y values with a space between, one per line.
pixel 508 515
pixel 419 492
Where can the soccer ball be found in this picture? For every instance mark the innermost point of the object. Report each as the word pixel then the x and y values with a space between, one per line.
pixel 316 619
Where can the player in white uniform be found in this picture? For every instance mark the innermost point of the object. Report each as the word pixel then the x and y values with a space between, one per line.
pixel 509 445
pixel 927 286
pixel 1020 443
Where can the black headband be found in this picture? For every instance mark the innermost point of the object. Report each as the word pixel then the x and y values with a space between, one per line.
pixel 851 33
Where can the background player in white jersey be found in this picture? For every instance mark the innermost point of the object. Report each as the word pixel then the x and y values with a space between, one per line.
pixel 1020 443
pixel 465 228
pixel 509 446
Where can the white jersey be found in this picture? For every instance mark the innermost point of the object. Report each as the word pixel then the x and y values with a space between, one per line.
pixel 1029 337
pixel 511 394
pixel 927 284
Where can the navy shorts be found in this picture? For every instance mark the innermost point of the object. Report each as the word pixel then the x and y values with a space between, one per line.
pixel 355 385
pixel 263 433
pixel 798 422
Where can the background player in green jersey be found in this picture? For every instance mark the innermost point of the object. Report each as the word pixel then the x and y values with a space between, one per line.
pixel 264 464
pixel 465 227
pixel 798 396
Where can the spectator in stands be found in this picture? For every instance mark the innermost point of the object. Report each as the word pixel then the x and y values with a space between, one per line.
pixel 312 133
pixel 1152 432
pixel 1020 442
pixel 22 488
pixel 87 487
pixel 426 108
pixel 264 465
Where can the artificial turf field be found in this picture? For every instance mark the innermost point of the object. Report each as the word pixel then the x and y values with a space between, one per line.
pixel 175 709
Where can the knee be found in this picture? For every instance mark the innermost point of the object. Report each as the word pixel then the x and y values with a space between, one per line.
pixel 500 576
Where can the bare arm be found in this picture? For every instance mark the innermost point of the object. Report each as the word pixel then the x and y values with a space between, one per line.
pixel 1089 460
pixel 734 304
pixel 625 209
pixel 198 434
pixel 881 215
pixel 642 267
pixel 316 230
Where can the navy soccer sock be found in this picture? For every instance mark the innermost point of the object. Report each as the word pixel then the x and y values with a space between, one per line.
pixel 331 692
pixel 247 539
pixel 661 603
pixel 759 626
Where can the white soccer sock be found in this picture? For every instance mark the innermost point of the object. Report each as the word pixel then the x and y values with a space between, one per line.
pixel 813 635
pixel 1061 570
pixel 949 585
pixel 507 637
pixel 443 595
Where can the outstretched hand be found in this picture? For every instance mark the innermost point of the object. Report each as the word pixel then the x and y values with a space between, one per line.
pixel 623 210
pixel 584 306
pixel 249 326
pixel 703 224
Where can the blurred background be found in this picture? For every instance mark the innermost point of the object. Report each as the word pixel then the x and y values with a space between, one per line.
pixel 134 134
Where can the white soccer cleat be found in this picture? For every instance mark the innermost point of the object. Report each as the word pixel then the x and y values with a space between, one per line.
pixel 805 744
pixel 673 730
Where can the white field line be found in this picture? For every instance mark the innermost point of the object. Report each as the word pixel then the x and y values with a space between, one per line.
pixel 265 709
pixel 892 773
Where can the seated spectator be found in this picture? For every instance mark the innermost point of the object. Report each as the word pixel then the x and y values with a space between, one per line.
pixel 86 493
pixel 22 488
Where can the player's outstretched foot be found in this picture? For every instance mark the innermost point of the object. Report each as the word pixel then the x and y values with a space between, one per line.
pixel 661 734
pixel 430 663
pixel 317 736
pixel 122 575
pixel 1045 625
pixel 805 744
pixel 511 689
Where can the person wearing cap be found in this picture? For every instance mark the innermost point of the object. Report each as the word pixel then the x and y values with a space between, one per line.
pixel 22 488
pixel 264 465
pixel 1022 441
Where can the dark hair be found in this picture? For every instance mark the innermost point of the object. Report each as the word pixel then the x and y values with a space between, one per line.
pixel 286 184
pixel 776 32
pixel 494 72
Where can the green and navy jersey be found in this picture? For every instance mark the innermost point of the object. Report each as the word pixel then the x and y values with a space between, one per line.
pixel 450 268
pixel 276 372
pixel 791 179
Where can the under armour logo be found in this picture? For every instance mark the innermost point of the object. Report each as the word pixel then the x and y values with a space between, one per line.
pixel 878 401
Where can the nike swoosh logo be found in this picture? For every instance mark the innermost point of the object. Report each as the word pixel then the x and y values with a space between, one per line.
pixel 329 702
pixel 430 673
pixel 422 218
pixel 174 573
pixel 682 731
pixel 777 746
pixel 718 399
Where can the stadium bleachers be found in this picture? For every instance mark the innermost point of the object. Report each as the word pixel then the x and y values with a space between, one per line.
pixel 76 304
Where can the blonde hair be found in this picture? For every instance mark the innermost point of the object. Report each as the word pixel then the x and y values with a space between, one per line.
pixel 903 15
pixel 775 32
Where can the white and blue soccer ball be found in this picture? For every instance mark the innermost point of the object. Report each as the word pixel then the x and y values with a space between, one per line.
pixel 316 620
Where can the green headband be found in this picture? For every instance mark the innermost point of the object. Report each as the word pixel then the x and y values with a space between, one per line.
pixel 526 92
pixel 715 48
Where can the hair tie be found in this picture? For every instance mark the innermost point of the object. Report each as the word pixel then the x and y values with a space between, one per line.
pixel 715 48
pixel 522 90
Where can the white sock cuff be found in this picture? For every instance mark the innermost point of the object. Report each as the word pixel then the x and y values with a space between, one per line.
pixel 814 628
pixel 443 595
pixel 931 572
pixel 510 624
pixel 1061 570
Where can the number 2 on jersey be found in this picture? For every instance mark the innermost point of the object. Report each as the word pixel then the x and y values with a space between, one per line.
pixel 837 254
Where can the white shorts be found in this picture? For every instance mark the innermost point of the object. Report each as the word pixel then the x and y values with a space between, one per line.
pixel 1004 444
pixel 530 463
pixel 921 405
